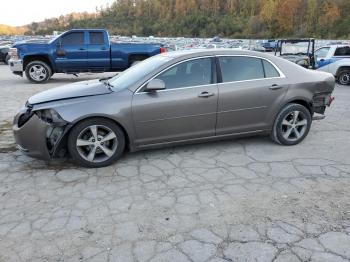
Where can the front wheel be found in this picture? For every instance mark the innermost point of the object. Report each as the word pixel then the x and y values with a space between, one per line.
pixel 292 125
pixel 344 77
pixel 96 142
pixel 38 72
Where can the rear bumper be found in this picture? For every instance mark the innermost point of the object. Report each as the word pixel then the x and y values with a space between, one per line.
pixel 16 66
pixel 31 137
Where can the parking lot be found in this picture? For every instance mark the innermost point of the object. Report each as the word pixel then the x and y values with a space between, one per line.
pixel 238 200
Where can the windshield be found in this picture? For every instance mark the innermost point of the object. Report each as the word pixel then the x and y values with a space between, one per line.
pixel 55 37
pixel 135 73
pixel 295 48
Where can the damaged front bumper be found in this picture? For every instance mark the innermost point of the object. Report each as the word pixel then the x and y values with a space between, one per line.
pixel 36 136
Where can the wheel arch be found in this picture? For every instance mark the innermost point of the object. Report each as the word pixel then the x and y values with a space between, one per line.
pixel 63 141
pixel 44 58
pixel 137 57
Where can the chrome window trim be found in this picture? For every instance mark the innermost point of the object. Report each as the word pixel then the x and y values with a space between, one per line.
pixel 282 75
pixel 168 68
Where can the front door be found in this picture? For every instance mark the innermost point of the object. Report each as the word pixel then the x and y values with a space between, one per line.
pixel 186 109
pixel 71 52
pixel 251 88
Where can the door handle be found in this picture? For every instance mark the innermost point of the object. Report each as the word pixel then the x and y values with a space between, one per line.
pixel 205 94
pixel 275 87
pixel 82 49
pixel 103 48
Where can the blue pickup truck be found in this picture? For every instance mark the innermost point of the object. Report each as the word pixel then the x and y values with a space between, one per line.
pixel 77 51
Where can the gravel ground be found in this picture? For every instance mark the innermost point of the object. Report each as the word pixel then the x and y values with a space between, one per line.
pixel 238 200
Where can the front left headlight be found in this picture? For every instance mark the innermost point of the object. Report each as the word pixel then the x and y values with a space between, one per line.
pixel 13 53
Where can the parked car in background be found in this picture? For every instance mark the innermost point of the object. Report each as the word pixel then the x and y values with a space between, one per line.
pixel 335 59
pixel 174 98
pixel 4 54
pixel 76 51
pixel 270 45
pixel 298 51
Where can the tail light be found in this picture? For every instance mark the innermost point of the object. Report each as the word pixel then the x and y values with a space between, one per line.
pixel 162 50
pixel 330 100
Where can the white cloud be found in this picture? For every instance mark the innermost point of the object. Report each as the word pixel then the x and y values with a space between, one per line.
pixel 21 12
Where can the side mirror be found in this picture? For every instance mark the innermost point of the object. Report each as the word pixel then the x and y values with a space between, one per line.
pixel 155 85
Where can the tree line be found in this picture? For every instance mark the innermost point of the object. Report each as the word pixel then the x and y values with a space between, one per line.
pixel 207 18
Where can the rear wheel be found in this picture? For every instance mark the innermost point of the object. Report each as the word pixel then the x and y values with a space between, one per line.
pixel 292 125
pixel 96 142
pixel 344 77
pixel 38 72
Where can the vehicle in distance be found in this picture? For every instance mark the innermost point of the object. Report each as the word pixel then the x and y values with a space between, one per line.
pixel 4 54
pixel 335 59
pixel 174 98
pixel 76 51
pixel 298 51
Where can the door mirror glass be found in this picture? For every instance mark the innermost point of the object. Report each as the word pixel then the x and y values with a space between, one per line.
pixel 155 84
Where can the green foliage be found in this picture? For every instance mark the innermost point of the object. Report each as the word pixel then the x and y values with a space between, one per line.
pixel 206 18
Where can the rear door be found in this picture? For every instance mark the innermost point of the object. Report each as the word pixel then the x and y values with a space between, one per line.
pixel 186 109
pixel 98 50
pixel 250 91
pixel 71 53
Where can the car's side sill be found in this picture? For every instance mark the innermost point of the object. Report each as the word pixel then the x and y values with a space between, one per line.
pixel 198 140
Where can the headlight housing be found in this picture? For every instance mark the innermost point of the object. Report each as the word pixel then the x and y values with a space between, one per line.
pixel 49 116
pixel 13 53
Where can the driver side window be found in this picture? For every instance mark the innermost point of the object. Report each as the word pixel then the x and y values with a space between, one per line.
pixel 76 38
pixel 322 52
pixel 195 72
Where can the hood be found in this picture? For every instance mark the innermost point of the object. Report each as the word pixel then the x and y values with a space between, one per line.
pixel 75 90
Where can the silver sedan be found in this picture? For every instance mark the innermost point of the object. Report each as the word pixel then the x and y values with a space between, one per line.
pixel 174 98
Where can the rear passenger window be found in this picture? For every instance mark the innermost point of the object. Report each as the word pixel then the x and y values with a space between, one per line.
pixel 73 39
pixel 270 70
pixel 239 68
pixel 342 51
pixel 96 38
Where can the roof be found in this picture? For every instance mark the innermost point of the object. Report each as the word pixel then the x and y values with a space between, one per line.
pixel 205 52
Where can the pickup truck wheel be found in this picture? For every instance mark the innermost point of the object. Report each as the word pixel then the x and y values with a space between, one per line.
pixel 38 71
pixel 344 77
pixel 7 59
pixel 96 142
pixel 291 125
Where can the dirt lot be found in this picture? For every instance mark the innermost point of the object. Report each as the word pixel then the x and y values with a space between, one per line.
pixel 239 200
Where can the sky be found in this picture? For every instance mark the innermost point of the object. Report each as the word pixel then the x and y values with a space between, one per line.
pixel 26 11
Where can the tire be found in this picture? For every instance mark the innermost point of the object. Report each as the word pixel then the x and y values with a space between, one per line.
pixel 344 77
pixel 38 72
pixel 7 59
pixel 291 125
pixel 91 150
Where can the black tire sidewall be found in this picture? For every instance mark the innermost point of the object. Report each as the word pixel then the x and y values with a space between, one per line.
pixel 47 68
pixel 75 131
pixel 278 123
pixel 7 59
pixel 340 75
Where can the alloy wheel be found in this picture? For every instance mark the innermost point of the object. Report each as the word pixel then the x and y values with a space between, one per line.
pixel 38 72
pixel 96 143
pixel 294 126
